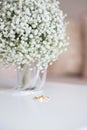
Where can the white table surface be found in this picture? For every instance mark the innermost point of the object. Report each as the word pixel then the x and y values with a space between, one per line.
pixel 66 109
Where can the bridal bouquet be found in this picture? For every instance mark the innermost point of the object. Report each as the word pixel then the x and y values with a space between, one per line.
pixel 31 31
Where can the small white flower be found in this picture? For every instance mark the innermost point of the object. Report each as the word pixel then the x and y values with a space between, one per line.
pixel 31 36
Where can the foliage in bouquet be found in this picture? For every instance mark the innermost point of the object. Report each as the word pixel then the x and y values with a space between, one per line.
pixel 31 31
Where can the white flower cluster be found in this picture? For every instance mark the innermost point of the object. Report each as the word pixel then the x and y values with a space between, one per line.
pixel 31 31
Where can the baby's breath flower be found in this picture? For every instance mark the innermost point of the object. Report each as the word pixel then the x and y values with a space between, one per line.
pixel 31 31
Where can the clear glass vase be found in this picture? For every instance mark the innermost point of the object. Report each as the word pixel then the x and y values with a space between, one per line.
pixel 30 79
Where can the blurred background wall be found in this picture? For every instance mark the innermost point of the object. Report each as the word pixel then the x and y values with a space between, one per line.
pixel 74 8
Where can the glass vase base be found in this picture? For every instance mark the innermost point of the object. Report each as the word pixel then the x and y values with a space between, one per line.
pixel 28 80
